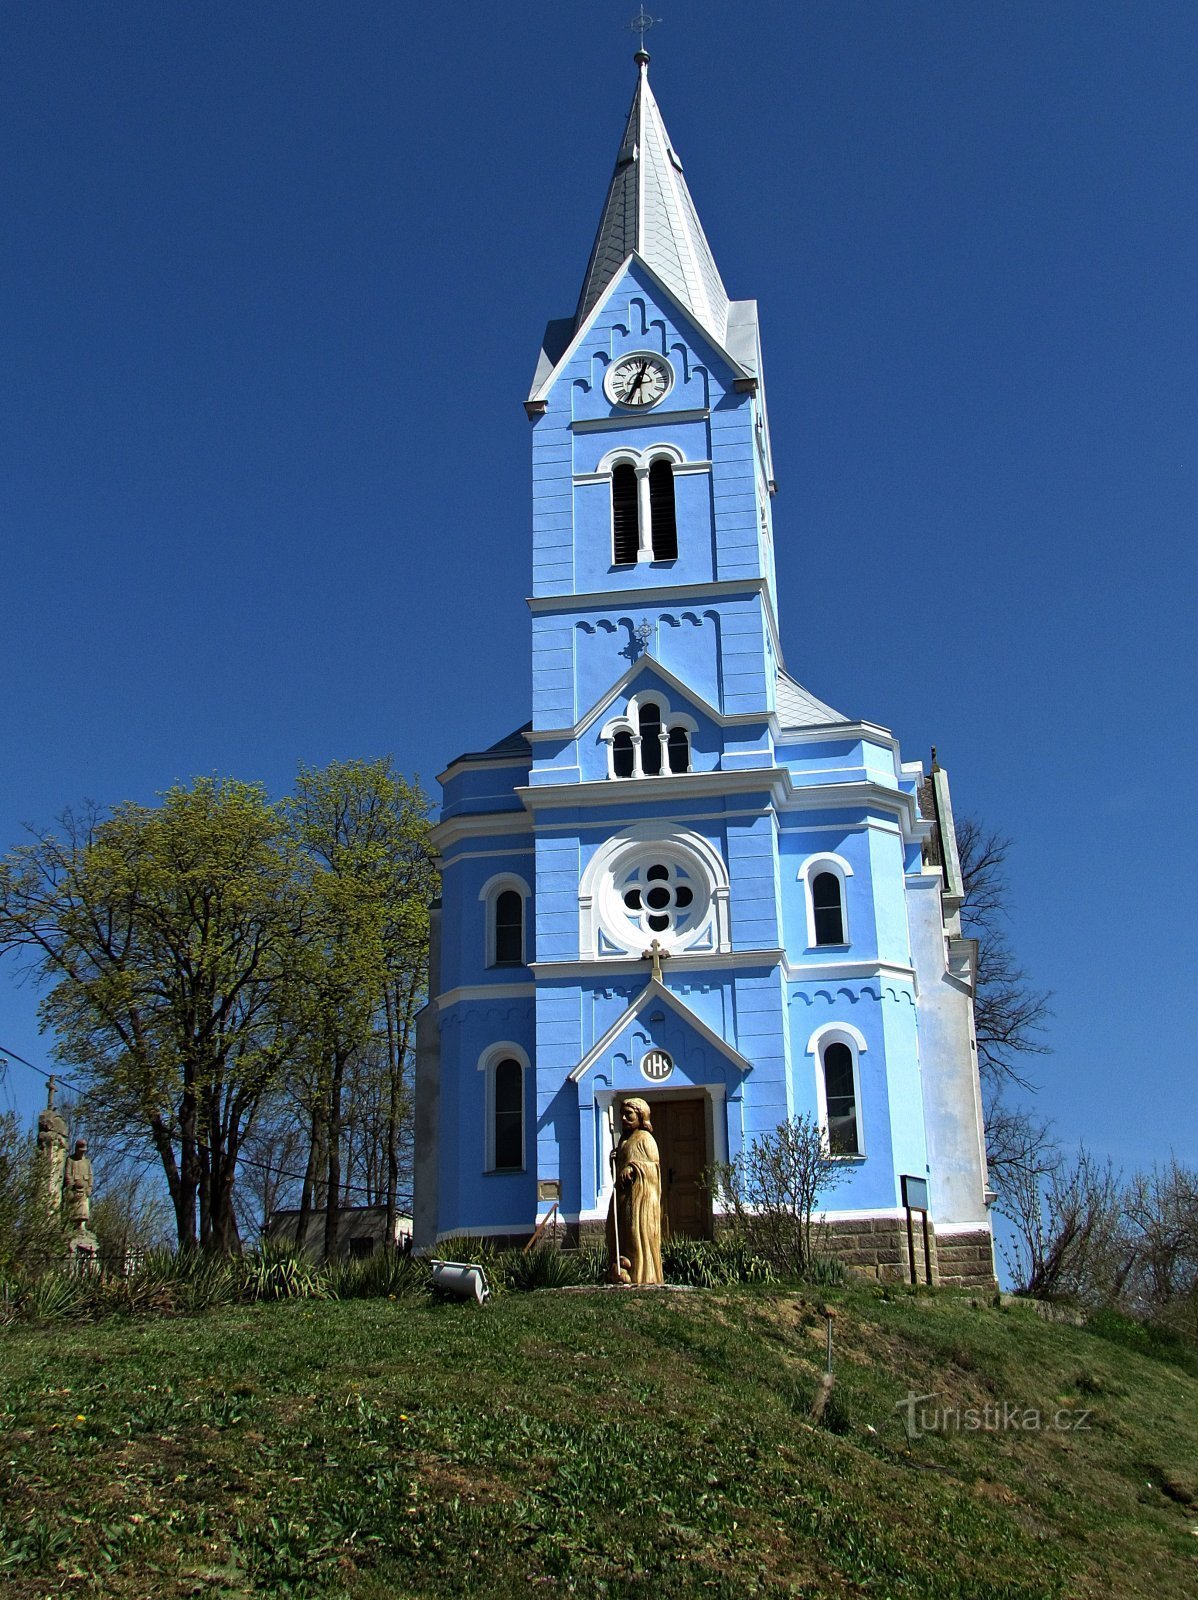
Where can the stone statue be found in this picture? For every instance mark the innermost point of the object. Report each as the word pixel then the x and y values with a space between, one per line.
pixel 76 1195
pixel 52 1151
pixel 634 1217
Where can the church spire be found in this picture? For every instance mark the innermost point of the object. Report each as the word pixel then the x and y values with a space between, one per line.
pixel 649 212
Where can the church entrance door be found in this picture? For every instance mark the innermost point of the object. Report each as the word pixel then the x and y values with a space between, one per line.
pixel 680 1127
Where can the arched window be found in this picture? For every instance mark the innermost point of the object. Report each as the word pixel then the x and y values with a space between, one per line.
pixel 509 928
pixel 508 1116
pixel 661 510
pixel 827 908
pixel 622 758
pixel 650 730
pixel 678 748
pixel 825 878
pixel 840 1099
pixel 504 900
pixel 624 517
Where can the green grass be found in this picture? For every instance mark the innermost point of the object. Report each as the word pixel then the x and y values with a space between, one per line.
pixel 590 1443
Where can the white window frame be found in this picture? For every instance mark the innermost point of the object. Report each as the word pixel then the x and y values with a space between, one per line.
pixel 487 1063
pixel 489 896
pixel 629 721
pixel 640 461
pixel 838 1033
pixel 602 913
pixel 807 873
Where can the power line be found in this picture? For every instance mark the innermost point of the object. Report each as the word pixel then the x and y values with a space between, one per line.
pixel 57 1076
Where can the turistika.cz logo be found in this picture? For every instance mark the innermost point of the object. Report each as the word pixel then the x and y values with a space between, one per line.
pixel 1007 1416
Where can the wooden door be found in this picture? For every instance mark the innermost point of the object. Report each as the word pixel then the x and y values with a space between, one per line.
pixel 681 1130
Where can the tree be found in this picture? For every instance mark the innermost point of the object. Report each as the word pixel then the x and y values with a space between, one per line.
pixel 772 1189
pixel 1068 1235
pixel 169 938
pixel 1009 1013
pixel 364 831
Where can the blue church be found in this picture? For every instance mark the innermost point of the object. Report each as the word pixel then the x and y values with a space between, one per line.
pixel 687 877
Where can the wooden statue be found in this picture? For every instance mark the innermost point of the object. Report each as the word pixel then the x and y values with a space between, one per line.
pixel 634 1216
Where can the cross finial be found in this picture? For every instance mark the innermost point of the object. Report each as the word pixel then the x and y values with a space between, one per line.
pixel 644 634
pixel 641 24
pixel 51 1091
pixel 657 953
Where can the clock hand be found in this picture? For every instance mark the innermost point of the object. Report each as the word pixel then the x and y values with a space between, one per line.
pixel 640 378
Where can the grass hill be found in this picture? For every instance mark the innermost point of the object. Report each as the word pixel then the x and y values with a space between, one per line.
pixel 597 1443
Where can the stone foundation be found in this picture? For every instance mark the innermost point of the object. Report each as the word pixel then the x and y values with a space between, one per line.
pixel 967 1260
pixel 874 1248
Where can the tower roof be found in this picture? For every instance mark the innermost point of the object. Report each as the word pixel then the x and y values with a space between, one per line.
pixel 649 212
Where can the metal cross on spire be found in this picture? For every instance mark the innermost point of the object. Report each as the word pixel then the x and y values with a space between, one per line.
pixel 641 24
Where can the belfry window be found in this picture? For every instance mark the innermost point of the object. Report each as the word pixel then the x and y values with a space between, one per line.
pixel 644 520
pixel 827 908
pixel 624 515
pixel 509 928
pixel 650 726
pixel 648 740
pixel 840 1100
pixel 678 748
pixel 661 510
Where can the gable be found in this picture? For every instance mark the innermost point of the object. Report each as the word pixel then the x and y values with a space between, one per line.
pixel 614 317
pixel 656 991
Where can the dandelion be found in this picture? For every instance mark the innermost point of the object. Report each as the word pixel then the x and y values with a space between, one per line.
pixel 81 1418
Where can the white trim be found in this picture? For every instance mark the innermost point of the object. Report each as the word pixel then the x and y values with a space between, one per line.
pixel 487 1062
pixel 654 990
pixel 634 419
pixel 629 965
pixel 836 866
pixel 854 1041
pixel 469 993
pixel 599 910
pixel 485 855
pixel 541 392
pixel 629 723
pixel 489 896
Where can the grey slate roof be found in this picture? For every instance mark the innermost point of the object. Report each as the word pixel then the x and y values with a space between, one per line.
pixel 512 744
pixel 798 708
pixel 649 210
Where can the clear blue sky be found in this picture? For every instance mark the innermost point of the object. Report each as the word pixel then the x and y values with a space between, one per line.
pixel 255 252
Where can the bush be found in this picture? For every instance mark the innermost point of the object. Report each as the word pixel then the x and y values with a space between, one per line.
pixel 707 1264
pixel 385 1275
pixel 771 1191
pixel 545 1266
pixel 276 1272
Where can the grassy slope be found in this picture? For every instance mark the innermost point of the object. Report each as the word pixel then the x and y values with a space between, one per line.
pixel 595 1443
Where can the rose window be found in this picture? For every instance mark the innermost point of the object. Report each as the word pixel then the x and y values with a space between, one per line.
pixel 660 898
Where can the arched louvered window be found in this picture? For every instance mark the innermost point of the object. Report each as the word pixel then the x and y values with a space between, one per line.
pixel 840 1099
pixel 621 755
pixel 508 1113
pixel 509 928
pixel 624 518
pixel 827 908
pixel 678 749
pixel 650 726
pixel 661 510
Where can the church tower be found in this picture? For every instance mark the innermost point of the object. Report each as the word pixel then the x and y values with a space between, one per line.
pixel 686 878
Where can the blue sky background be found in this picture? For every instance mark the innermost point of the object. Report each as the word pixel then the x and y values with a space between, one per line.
pixel 274 277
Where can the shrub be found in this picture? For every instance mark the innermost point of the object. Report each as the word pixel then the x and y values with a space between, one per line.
pixel 275 1272
pixel 707 1264
pixel 771 1191
pixel 545 1266
pixel 385 1275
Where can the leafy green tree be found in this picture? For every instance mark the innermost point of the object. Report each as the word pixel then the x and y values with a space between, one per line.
pixel 364 830
pixel 169 939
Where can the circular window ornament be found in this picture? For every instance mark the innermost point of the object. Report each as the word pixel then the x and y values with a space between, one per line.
pixel 657 1066
pixel 661 896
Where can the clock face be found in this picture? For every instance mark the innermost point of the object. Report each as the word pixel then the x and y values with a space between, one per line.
pixel 640 380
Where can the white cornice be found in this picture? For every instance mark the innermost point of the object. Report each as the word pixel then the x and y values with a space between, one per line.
pixel 635 420
pixel 667 594
pixel 470 992
pixel 785 793
pixel 631 966
pixel 473 824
